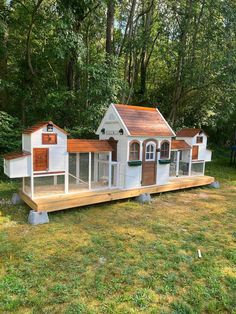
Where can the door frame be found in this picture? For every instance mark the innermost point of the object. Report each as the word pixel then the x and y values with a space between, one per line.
pixel 35 149
pixel 151 162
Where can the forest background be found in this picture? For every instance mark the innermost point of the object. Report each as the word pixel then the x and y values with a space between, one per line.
pixel 67 60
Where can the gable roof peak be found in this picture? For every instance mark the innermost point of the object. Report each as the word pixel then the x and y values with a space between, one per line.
pixel 40 125
pixel 189 132
pixel 144 121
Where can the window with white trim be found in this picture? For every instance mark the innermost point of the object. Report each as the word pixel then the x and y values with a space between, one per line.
pixel 150 151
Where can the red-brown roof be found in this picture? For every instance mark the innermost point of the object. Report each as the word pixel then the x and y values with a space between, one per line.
pixel 15 155
pixel 40 125
pixel 85 146
pixel 179 144
pixel 143 121
pixel 188 132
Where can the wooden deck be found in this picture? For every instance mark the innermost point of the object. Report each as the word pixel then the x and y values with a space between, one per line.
pixel 63 201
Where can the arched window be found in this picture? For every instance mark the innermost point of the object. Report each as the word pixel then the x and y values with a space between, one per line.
pixel 165 149
pixel 134 150
pixel 150 151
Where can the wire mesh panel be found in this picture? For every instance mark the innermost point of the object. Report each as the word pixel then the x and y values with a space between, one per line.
pixel 183 168
pixel 78 172
pixel 27 188
pixel 173 164
pixel 114 175
pixel 101 175
pixel 49 185
pixel 197 168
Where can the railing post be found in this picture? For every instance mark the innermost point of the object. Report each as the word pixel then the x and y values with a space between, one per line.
pixel 67 173
pixel 109 170
pixel 190 162
pixel 77 165
pixel 177 163
pixel 90 168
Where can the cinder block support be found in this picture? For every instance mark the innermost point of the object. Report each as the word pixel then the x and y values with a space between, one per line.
pixel 143 198
pixel 38 218
pixel 16 199
pixel 214 185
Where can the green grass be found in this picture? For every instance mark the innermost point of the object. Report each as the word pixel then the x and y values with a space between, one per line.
pixel 124 257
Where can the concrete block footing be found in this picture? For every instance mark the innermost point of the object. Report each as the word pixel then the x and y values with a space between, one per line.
pixel 215 185
pixel 16 199
pixel 38 218
pixel 143 198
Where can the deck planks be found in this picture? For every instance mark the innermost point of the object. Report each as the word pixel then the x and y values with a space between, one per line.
pixel 64 201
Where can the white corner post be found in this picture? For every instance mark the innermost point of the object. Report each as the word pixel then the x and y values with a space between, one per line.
pixel 90 168
pixel 190 162
pixel 23 184
pixel 67 173
pixel 77 162
pixel 32 176
pixel 109 170
pixel 177 163
pixel 54 180
pixel 204 166
pixel 95 167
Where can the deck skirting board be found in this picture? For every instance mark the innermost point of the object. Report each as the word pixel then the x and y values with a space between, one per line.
pixel 64 201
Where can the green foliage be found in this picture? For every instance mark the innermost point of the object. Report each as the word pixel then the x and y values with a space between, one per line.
pixel 179 56
pixel 10 133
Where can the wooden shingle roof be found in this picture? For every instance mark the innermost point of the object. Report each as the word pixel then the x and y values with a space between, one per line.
pixel 179 144
pixel 40 125
pixel 15 155
pixel 85 146
pixel 189 132
pixel 144 121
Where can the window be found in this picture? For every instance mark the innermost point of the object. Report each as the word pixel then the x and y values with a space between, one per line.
pixel 165 148
pixel 150 151
pixel 199 139
pixel 49 138
pixel 134 149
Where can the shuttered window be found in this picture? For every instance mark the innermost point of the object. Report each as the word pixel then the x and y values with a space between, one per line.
pixel 49 138
pixel 134 149
pixel 165 150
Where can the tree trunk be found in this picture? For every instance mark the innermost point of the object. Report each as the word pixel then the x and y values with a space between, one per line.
pixel 110 26
pixel 3 57
pixel 178 88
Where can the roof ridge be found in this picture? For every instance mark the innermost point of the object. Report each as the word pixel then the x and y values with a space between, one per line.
pixel 136 107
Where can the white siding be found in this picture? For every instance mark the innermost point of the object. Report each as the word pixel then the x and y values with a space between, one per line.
pixel 163 174
pixel 208 155
pixel 18 167
pixel 57 152
pixel 193 141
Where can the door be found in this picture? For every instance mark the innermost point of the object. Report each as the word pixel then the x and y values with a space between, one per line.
pixel 195 152
pixel 113 143
pixel 40 159
pixel 149 163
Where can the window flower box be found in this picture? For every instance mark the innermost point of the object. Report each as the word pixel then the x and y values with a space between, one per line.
pixel 164 161
pixel 134 163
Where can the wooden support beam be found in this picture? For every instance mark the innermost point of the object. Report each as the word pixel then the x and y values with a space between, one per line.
pixel 64 201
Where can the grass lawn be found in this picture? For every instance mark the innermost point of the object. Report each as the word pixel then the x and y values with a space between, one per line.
pixel 124 257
